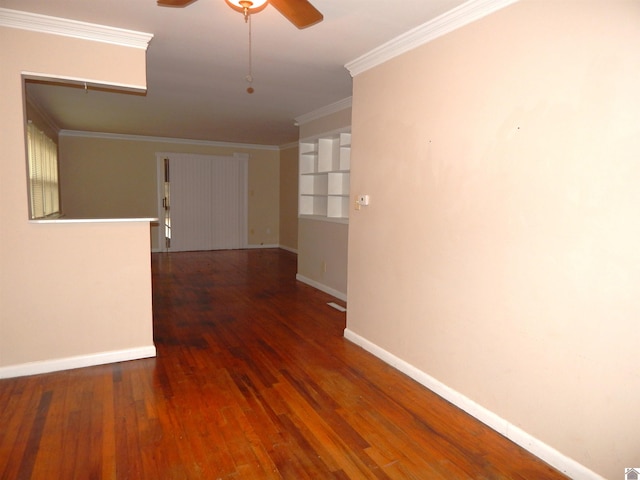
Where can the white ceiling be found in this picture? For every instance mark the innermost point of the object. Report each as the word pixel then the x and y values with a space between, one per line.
pixel 198 60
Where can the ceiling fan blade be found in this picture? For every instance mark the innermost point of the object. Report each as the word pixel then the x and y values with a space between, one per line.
pixel 174 3
pixel 299 12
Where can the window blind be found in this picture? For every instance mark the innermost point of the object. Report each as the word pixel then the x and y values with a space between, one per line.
pixel 42 155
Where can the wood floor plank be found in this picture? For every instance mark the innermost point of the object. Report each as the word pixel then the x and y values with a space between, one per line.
pixel 35 435
pixel 15 432
pixel 253 380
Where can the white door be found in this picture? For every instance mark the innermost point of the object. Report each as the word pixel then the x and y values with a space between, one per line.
pixel 204 201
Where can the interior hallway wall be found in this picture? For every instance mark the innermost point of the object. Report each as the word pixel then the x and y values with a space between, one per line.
pixel 289 198
pixel 500 252
pixel 66 290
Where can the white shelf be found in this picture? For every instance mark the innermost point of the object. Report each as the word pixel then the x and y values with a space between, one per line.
pixel 324 218
pixel 328 154
pixel 313 205
pixel 325 162
pixel 308 158
pixel 314 184
pixel 338 206
pixel 338 183
pixel 345 158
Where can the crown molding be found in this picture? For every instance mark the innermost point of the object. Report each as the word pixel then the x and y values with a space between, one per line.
pixel 148 138
pixel 287 146
pixel 73 28
pixel 323 111
pixel 452 20
pixel 328 133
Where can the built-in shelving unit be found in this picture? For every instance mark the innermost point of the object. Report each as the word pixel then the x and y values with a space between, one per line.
pixel 325 163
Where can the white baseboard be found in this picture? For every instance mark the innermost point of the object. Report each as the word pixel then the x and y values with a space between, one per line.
pixel 548 454
pixel 262 245
pixel 322 287
pixel 47 366
pixel 288 249
pixel 292 250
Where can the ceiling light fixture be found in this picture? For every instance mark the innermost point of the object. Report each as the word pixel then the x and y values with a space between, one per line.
pixel 247 7
pixel 299 12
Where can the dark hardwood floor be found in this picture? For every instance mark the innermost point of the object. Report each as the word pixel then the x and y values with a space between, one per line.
pixel 253 380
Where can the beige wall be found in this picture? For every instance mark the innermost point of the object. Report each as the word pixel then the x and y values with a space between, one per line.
pixel 264 197
pixel 328 123
pixel 322 245
pixel 322 254
pixel 102 178
pixel 66 290
pixel 116 177
pixel 289 197
pixel 500 251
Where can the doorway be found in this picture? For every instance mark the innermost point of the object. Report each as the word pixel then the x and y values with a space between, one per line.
pixel 203 201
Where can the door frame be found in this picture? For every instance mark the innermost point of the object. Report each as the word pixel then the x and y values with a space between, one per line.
pixel 160 156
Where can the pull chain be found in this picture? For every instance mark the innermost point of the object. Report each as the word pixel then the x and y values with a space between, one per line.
pixel 249 77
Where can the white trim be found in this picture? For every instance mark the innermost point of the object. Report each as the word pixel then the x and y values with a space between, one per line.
pixel 322 218
pixel 330 133
pixel 287 146
pixel 73 28
pixel 323 111
pixel 146 138
pixel 322 287
pixel 244 159
pixel 250 247
pixel 80 361
pixel 288 249
pixel 340 308
pixel 255 246
pixel 452 20
pixel 550 455
pixel 94 220
pixel 88 82
pixel 160 156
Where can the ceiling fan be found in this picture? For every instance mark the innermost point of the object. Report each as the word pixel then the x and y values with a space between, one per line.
pixel 299 12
